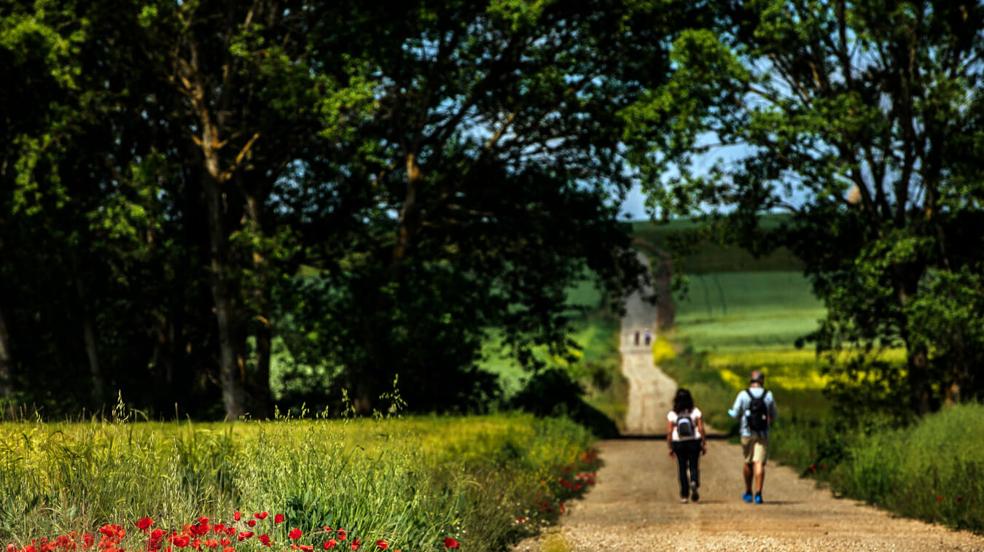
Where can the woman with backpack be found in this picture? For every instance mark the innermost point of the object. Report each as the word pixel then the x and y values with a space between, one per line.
pixel 685 436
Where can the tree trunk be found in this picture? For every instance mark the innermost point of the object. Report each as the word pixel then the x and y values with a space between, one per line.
pixel 232 364
pixel 261 394
pixel 920 394
pixel 91 345
pixel 6 383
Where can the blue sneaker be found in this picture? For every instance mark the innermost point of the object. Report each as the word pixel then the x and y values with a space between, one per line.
pixel 758 498
pixel 747 497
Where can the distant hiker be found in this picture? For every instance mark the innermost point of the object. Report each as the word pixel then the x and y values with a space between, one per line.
pixel 685 436
pixel 756 409
pixel 637 338
pixel 648 337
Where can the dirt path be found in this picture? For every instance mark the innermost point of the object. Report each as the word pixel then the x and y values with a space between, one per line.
pixel 650 390
pixel 635 503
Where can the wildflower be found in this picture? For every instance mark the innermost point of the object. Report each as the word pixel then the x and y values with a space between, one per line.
pixel 113 531
pixel 261 515
pixel 251 523
pixel 244 535
pixel 230 531
pixel 278 519
pixel 342 534
pixel 237 516
pixel 306 548
pixel 228 549
pixel 11 548
pixel 356 544
pixel 382 544
pixel 330 543
pixel 144 523
pixel 88 539
pixel 265 539
pixel 180 541
pixel 294 534
pixel 451 543
pixel 225 541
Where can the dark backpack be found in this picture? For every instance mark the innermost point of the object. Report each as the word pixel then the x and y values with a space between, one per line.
pixel 758 412
pixel 685 426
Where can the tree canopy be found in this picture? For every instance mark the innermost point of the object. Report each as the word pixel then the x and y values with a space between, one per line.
pixel 862 121
pixel 368 188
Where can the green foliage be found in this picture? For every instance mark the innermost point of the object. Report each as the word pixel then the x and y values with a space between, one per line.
pixel 410 481
pixel 442 172
pixel 854 119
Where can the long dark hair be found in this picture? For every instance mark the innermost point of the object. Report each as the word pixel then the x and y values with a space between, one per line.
pixel 682 401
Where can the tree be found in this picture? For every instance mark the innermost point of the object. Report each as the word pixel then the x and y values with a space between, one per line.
pixel 479 186
pixel 860 120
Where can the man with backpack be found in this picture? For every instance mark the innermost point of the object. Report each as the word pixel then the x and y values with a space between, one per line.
pixel 756 409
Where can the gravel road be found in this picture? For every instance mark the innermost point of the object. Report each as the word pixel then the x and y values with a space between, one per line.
pixel 635 504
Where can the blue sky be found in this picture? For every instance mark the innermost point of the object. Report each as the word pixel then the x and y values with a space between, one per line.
pixel 634 206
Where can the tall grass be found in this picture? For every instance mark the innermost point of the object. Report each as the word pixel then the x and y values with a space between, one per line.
pixel 411 481
pixel 933 470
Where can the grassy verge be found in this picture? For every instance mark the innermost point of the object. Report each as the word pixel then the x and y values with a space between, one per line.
pixel 933 470
pixel 483 481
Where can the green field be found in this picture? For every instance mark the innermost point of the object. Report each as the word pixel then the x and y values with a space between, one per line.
pixel 746 311
pixel 485 481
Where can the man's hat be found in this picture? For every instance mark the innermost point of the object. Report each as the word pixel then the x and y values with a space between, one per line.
pixel 757 377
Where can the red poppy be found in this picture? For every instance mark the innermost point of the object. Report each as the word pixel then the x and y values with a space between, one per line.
pixel 144 523
pixel 356 544
pixel 245 535
pixel 265 539
pixel 451 543
pixel 88 539
pixel 260 515
pixel 342 534
pixel 11 548
pixel 294 534
pixel 382 544
pixel 230 531
pixel 180 541
pixel 251 523
pixel 330 543
pixel 306 548
pixel 237 516
pixel 225 541
pixel 228 549
pixel 113 531
pixel 279 518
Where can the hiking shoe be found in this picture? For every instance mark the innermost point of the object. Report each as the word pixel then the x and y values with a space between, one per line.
pixel 694 495
pixel 683 500
pixel 758 498
pixel 747 497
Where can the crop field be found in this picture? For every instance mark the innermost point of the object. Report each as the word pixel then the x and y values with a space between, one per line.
pixel 427 483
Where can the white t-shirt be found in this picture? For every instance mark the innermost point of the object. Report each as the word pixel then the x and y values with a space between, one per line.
pixel 695 414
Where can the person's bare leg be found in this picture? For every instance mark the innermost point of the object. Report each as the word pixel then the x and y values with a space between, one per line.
pixel 759 476
pixel 747 472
